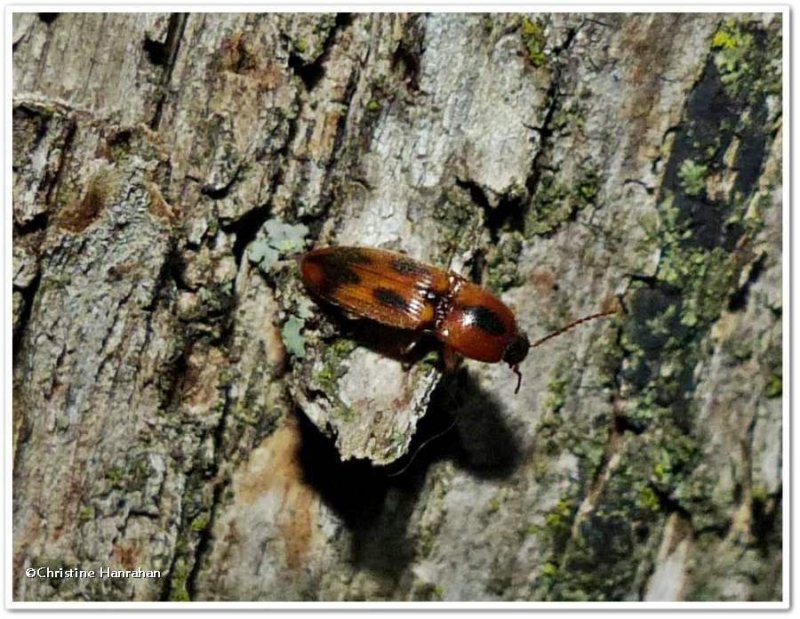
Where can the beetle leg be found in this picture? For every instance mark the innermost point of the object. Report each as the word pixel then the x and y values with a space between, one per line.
pixel 406 350
pixel 351 315
pixel 450 358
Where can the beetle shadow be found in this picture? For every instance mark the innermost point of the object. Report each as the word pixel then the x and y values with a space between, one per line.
pixel 488 447
pixel 466 425
pixel 463 424
pixel 373 509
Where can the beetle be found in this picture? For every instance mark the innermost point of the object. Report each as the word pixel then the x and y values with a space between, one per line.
pixel 396 290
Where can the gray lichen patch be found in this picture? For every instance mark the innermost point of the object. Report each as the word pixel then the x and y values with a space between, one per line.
pixel 277 239
pixel 292 339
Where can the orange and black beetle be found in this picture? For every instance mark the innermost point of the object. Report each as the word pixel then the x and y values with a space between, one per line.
pixel 398 291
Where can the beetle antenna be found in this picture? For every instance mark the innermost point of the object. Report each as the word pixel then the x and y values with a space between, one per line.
pixel 515 369
pixel 416 452
pixel 569 326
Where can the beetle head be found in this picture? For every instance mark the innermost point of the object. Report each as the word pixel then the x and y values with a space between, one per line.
pixel 517 349
pixel 514 354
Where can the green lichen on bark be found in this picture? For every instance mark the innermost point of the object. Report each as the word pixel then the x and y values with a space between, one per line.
pixel 534 39
pixel 556 203
pixel 701 238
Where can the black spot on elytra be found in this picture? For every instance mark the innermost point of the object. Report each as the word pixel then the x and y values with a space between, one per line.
pixel 485 319
pixel 387 297
pixel 406 266
pixel 337 267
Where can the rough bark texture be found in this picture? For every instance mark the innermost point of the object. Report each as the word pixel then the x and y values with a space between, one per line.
pixel 181 405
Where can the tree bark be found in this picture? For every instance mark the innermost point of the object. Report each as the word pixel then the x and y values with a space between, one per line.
pixel 181 405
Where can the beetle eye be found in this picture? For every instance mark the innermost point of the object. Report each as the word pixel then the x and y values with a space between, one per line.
pixel 517 349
